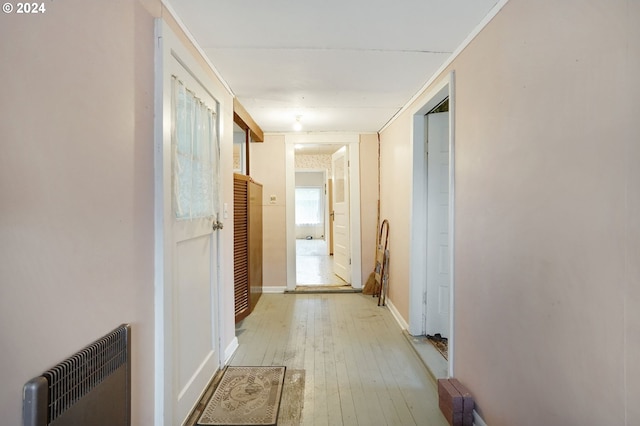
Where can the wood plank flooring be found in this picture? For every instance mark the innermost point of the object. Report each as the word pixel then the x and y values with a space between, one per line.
pixel 314 267
pixel 360 369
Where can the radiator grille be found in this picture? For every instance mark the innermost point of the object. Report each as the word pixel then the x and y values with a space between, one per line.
pixel 75 377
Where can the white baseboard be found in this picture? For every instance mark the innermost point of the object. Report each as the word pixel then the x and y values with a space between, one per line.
pixel 477 420
pixel 279 289
pixel 230 350
pixel 401 322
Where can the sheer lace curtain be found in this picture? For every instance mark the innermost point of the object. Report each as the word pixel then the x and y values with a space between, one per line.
pixel 196 155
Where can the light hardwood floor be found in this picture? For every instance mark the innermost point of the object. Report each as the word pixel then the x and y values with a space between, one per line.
pixel 314 266
pixel 360 369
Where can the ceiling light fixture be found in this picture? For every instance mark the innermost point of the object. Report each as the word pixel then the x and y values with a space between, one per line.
pixel 297 126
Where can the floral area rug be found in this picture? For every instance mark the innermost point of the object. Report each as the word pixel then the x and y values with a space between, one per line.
pixel 246 396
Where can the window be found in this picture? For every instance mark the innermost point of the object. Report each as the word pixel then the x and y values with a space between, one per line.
pixel 240 150
pixel 309 206
pixel 194 142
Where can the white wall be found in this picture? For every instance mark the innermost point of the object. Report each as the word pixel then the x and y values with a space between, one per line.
pixel 369 201
pixel 76 184
pixel 310 178
pixel 76 190
pixel 547 206
pixel 268 168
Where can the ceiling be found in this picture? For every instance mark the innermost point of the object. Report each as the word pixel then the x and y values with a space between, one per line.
pixel 339 65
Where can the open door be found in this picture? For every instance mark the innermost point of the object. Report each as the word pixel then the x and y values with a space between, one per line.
pixel 330 204
pixel 431 297
pixel 187 228
pixel 341 219
pixel 438 268
pixel 347 210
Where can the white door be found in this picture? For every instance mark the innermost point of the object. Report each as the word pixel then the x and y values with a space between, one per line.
pixel 188 190
pixel 341 230
pixel 194 343
pixel 437 309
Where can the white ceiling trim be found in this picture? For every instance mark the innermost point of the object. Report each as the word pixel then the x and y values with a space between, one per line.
pixel 193 41
pixel 485 21
pixel 332 138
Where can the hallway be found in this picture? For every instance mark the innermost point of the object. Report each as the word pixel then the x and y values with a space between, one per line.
pixel 314 267
pixel 360 369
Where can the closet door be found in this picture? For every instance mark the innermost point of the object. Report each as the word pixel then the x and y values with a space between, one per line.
pixel 241 245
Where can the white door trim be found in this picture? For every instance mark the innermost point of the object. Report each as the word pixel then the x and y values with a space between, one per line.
pixel 353 140
pixel 417 275
pixel 168 47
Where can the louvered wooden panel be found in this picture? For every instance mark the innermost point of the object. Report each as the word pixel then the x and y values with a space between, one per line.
pixel 241 246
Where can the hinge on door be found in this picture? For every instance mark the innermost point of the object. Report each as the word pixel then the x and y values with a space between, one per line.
pixel 349 261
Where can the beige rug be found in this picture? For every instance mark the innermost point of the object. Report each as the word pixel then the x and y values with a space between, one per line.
pixel 246 396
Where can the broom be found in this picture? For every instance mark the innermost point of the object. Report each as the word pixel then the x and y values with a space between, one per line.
pixel 371 287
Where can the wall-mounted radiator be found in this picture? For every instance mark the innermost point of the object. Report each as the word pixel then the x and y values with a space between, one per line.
pixel 92 387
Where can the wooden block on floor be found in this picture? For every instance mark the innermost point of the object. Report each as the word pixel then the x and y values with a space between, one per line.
pixel 467 402
pixel 450 402
pixel 456 402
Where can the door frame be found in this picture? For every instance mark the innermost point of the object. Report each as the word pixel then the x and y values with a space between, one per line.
pixel 168 48
pixel 353 141
pixel 418 274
